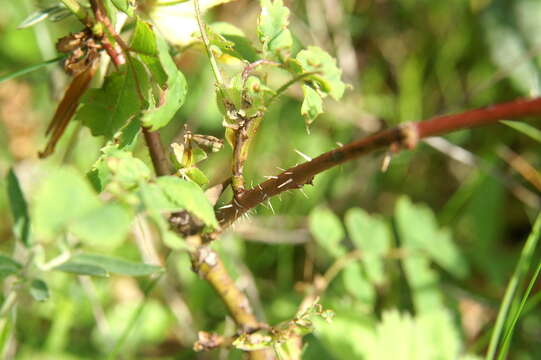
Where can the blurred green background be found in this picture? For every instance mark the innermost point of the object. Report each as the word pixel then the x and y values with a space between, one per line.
pixel 443 226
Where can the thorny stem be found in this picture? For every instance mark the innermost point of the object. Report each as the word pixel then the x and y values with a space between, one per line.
pixel 207 262
pixel 206 43
pixel 405 136
pixel 243 138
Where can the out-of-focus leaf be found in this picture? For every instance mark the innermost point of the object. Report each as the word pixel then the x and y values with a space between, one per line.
pixel 8 266
pixel 39 290
pixel 151 327
pixel 326 228
pixel 177 21
pixel 328 75
pixel 119 166
pixel 272 29
pixel 428 336
pixel 115 265
pixel 188 196
pixel 106 226
pixel 124 6
pixel 525 128
pixel 312 105
pixel 74 267
pixel 371 235
pixel 108 109
pixel 357 284
pixel 40 15
pixel 242 47
pixel 419 231
pixel 172 97
pixel 63 197
pixel 19 209
pixel 29 69
pixel 510 54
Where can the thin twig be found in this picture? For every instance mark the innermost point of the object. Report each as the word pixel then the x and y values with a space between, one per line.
pixel 206 43
pixel 157 153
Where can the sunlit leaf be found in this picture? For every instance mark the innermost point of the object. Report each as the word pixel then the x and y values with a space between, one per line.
pixel 272 29
pixel 419 231
pixel 326 228
pixel 312 105
pixel 177 22
pixel 327 74
pixel 372 236
pixel 106 226
pixel 188 196
pixel 108 109
pixel 64 196
pixel 357 284
pixel 172 97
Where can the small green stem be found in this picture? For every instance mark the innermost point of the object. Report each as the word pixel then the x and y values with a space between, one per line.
pixel 284 87
pixel 213 63
pixel 77 9
pixel 170 3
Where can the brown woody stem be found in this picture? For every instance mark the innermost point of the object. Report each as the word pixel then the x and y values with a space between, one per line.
pixel 157 153
pixel 405 136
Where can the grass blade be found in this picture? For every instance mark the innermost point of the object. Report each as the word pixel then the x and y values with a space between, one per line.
pixel 521 270
pixel 29 69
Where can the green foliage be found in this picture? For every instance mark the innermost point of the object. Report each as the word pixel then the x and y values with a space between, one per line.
pixel 327 230
pixel 407 279
pixel 272 30
pixel 371 235
pixel 39 290
pixel 8 266
pixel 19 209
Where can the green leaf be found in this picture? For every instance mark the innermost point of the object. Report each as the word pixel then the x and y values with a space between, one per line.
pixel 115 265
pixel 188 196
pixel 525 128
pixel 40 15
pixel 74 267
pixel 124 6
pixel 242 46
pixel 419 231
pixel 19 209
pixel 8 266
pixel 63 197
pixel 143 40
pixel 105 226
pixel 371 235
pixel 357 284
pixel 39 290
pixel 272 29
pixel 312 104
pixel 120 166
pixel 172 97
pixel 327 74
pixel 326 228
pixel 107 110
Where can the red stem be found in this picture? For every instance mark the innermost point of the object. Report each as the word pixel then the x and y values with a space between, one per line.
pixel 405 136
